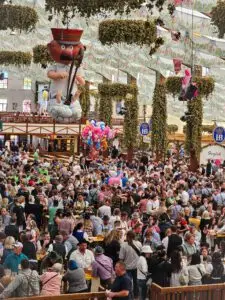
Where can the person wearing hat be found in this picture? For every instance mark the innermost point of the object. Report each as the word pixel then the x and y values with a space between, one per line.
pixel 84 259
pixel 102 267
pixel 142 271
pixel 13 260
pixel 75 276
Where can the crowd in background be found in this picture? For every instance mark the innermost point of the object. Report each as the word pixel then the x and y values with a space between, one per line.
pixel 64 225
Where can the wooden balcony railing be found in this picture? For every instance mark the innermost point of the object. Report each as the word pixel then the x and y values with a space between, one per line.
pixel 202 292
pixel 81 296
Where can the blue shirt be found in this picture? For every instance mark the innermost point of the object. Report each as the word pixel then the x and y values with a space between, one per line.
pixel 13 261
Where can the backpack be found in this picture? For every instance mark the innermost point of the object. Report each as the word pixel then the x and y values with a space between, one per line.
pixel 93 197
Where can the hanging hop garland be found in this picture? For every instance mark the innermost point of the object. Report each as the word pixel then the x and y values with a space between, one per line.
pixel 41 55
pixel 17 58
pixel 18 17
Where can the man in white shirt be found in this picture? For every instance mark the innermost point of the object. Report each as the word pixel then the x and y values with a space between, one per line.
pixel 105 210
pixel 84 259
pixel 184 196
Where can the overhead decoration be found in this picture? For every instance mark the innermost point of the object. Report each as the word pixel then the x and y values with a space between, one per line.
pixel 97 7
pixel 19 17
pixel 218 17
pixel 41 55
pixel 67 51
pixel 205 85
pixel 159 118
pixel 137 32
pixel 205 128
pixel 172 128
pixel 17 58
pixel 121 92
pixel 194 115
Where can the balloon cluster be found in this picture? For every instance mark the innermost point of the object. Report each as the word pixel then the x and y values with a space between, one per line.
pixel 97 134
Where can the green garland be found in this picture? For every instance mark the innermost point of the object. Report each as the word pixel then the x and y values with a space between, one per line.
pixel 130 32
pixel 159 120
pixel 218 17
pixel 17 58
pixel 194 126
pixel 18 17
pixel 118 92
pixel 205 128
pixel 96 7
pixel 172 128
pixel 85 99
pixel 193 129
pixel 41 55
pixel 205 85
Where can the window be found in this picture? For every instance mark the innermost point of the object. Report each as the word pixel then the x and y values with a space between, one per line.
pixel 3 104
pixel 27 106
pixel 3 80
pixel 27 84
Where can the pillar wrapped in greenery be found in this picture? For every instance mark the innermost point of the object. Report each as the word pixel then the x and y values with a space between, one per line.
pixel 85 99
pixel 195 108
pixel 118 92
pixel 159 118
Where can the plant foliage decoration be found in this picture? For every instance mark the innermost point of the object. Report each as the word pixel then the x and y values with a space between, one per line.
pixel 193 129
pixel 130 32
pixel 118 92
pixel 89 8
pixel 205 85
pixel 18 17
pixel 85 99
pixel 159 119
pixel 218 17
pixel 172 128
pixel 41 55
pixel 17 58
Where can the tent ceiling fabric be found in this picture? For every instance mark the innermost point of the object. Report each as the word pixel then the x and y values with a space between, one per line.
pixel 107 60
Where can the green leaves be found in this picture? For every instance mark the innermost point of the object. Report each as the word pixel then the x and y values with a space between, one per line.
pixel 218 17
pixel 17 58
pixel 159 120
pixel 41 55
pixel 118 92
pixel 18 17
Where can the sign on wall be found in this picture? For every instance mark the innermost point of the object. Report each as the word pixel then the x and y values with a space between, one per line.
pixel 214 152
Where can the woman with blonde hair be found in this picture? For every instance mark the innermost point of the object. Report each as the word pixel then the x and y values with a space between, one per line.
pixel 112 245
pixel 8 247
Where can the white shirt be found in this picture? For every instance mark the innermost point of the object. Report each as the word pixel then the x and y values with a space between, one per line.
pixel 142 267
pixel 165 242
pixel 184 198
pixel 105 210
pixel 83 260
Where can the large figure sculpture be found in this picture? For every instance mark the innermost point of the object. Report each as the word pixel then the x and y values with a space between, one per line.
pixel 67 51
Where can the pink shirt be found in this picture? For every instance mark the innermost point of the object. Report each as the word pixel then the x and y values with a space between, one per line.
pixel 52 287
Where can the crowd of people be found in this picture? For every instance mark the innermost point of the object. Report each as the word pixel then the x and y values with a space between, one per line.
pixel 62 225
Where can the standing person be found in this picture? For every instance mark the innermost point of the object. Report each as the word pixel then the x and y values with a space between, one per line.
pixel 208 168
pixel 217 275
pixel 18 212
pixel 142 271
pixel 196 270
pixel 51 281
pixel 25 284
pixel 84 259
pixel 174 241
pixel 122 286
pixel 13 261
pixel 178 270
pixel 129 254
pixel 102 267
pixel 76 278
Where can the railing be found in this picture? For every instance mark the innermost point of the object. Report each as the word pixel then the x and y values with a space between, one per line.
pixel 81 296
pixel 201 292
